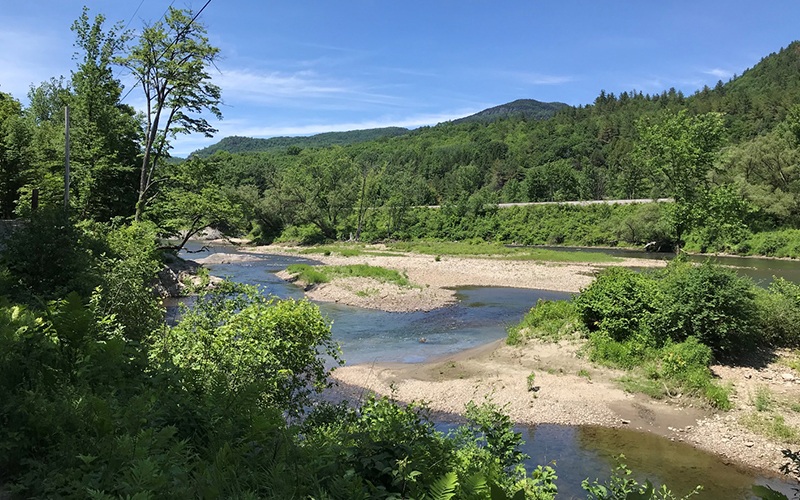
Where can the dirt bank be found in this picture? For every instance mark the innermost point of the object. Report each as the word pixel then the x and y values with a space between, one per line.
pixel 373 294
pixel 568 389
pixel 435 277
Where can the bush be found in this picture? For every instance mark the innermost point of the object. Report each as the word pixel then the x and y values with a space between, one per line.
pixel 548 319
pixel 617 303
pixel 779 313
pixel 677 359
pixel 708 302
pixel 308 234
pixel 236 338
pixel 48 257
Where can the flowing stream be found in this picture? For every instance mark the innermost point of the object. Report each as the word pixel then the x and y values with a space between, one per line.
pixel 481 316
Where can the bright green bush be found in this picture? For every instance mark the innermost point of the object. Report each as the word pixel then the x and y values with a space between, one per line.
pixel 677 359
pixel 708 302
pixel 550 319
pixel 617 303
pixel 236 338
pixel 48 257
pixel 779 313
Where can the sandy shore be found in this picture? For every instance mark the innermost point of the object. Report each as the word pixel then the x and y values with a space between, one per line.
pixel 561 396
pixel 435 279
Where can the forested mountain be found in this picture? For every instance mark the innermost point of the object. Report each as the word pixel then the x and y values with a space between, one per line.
pixel 521 108
pixel 595 151
pixel 732 149
pixel 236 144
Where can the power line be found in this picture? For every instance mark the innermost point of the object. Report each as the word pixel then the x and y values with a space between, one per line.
pixel 134 15
pixel 173 42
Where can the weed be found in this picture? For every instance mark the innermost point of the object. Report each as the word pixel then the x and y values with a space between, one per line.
pixel 584 373
pixel 762 399
pixel 531 381
pixel 550 320
pixel 772 426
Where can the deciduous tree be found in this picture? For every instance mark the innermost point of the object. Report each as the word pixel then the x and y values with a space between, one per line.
pixel 170 63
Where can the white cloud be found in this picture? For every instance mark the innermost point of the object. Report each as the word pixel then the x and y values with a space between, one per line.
pixel 722 74
pixel 246 128
pixel 539 78
pixel 296 88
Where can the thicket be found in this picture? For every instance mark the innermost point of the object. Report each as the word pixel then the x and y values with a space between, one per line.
pixel 668 326
pixel 100 402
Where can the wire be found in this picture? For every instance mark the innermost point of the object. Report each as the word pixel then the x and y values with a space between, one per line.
pixel 177 37
pixel 134 15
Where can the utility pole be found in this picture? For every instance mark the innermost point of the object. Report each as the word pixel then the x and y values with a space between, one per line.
pixel 66 156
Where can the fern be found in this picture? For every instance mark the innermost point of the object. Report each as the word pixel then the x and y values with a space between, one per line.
pixel 443 488
pixel 475 486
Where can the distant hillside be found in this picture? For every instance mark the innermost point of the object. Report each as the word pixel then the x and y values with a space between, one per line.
pixel 529 108
pixel 237 144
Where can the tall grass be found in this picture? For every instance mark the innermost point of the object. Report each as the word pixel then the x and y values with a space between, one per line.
pixel 483 248
pixel 324 274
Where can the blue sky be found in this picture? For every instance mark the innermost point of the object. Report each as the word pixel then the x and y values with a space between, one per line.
pixel 304 67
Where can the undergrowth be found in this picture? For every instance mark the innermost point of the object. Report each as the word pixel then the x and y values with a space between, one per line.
pixel 479 247
pixel 324 274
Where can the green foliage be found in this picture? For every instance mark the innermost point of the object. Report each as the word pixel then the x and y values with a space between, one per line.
pixel 48 257
pixel 622 487
pixel 170 62
pixel 617 303
pixel 549 320
pixel 772 426
pixel 323 274
pixel 477 247
pixel 530 381
pixel 237 339
pixel 191 201
pixel 235 144
pixel 762 398
pixel 308 274
pixel 667 326
pixel 303 235
pixel 708 302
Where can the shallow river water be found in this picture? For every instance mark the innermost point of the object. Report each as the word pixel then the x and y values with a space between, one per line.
pixel 482 315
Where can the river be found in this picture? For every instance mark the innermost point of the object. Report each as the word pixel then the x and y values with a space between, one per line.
pixel 482 315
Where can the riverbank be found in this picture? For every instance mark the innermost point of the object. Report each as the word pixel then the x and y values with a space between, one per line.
pixel 567 389
pixel 435 276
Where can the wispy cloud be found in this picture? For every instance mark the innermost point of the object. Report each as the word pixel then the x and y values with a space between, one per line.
pixel 184 145
pixel 719 73
pixel 300 89
pixel 533 78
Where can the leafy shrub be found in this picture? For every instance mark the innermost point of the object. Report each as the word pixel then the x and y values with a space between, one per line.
pixel 548 319
pixel 48 257
pixel 677 359
pixel 621 486
pixel 779 313
pixel 708 302
pixel 308 234
pixel 308 274
pixel 617 303
pixel 236 338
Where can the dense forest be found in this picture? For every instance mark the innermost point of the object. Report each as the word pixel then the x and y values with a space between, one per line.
pixel 736 176
pixel 103 400
pixel 236 144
